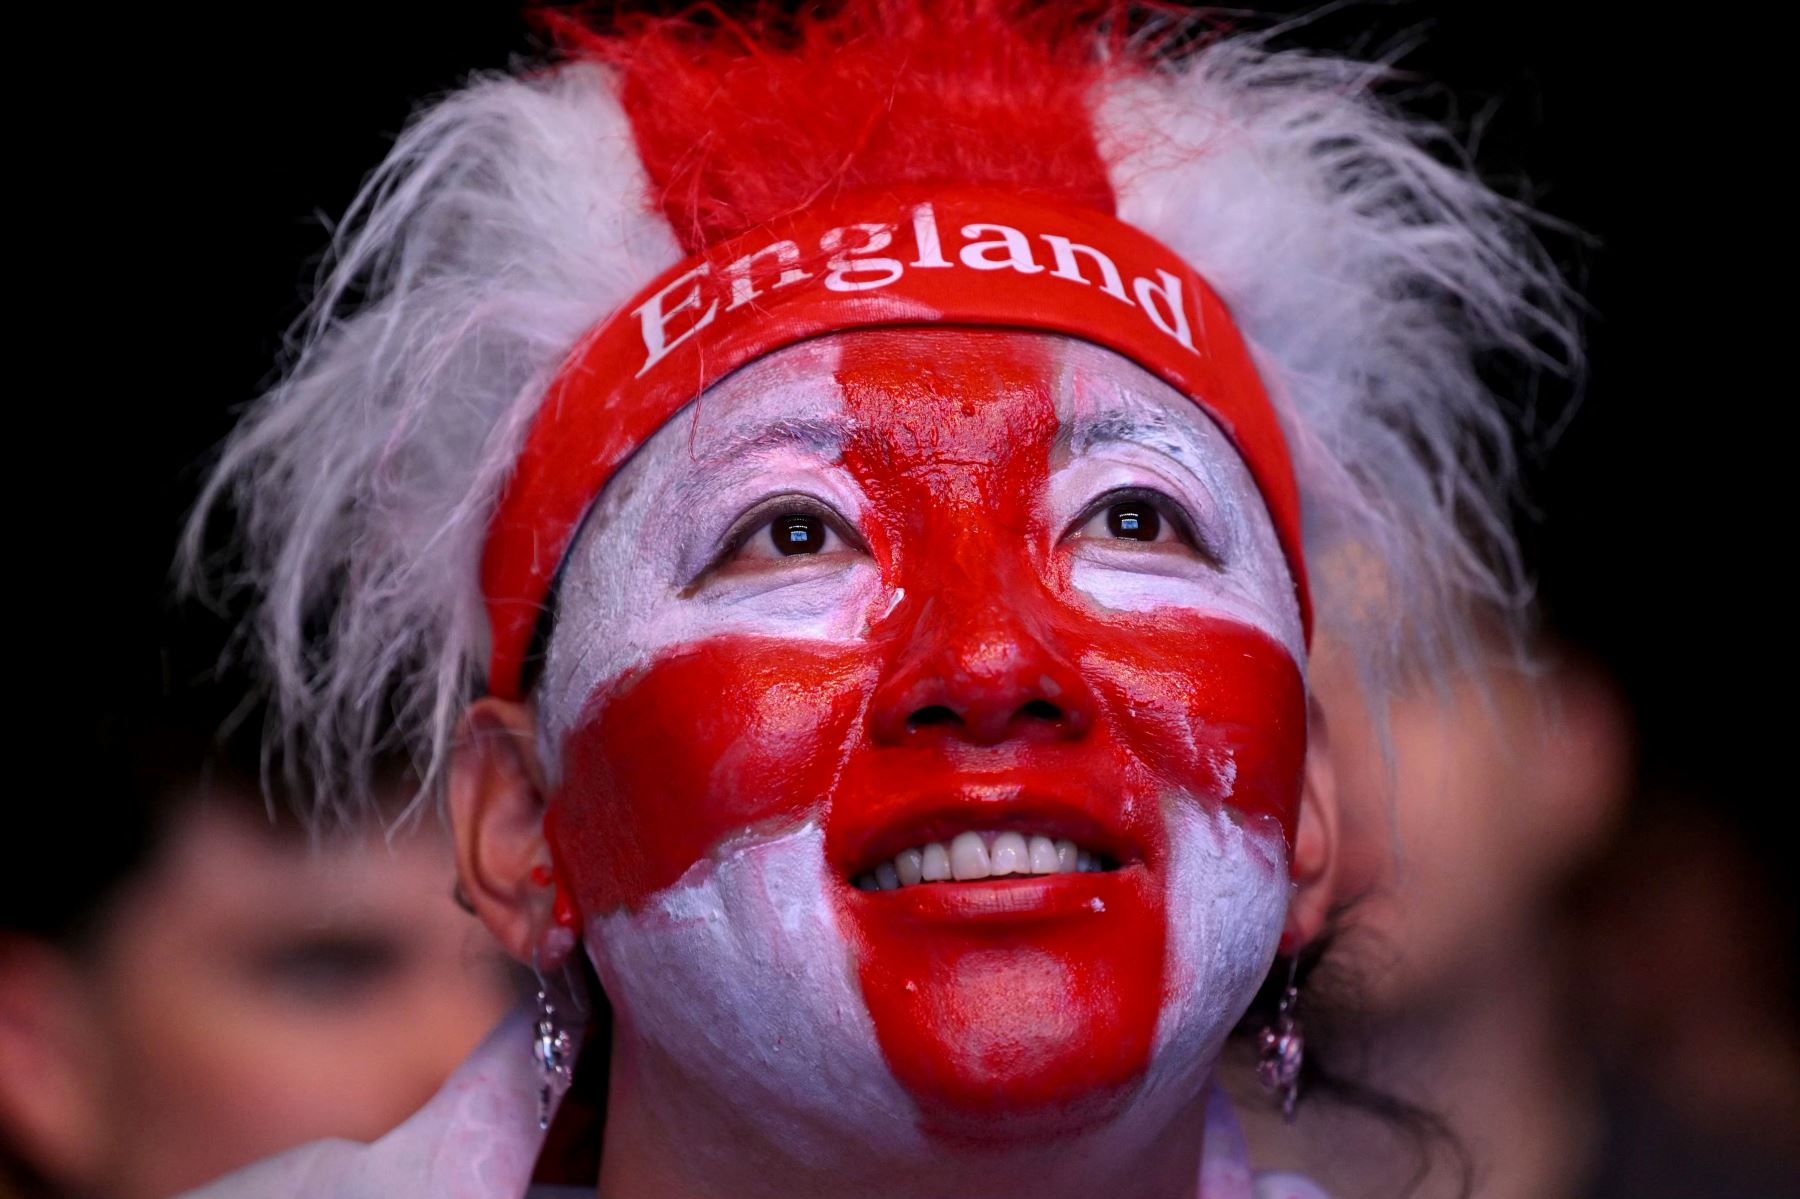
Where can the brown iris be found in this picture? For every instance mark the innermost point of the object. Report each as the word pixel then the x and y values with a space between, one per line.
pixel 1133 520
pixel 798 533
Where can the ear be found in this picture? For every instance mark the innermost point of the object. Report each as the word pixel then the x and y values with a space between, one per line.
pixel 49 1109
pixel 497 797
pixel 1312 872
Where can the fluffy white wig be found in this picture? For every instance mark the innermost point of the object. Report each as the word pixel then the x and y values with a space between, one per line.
pixel 1368 271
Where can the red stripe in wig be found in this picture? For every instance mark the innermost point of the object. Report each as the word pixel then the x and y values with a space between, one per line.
pixel 743 122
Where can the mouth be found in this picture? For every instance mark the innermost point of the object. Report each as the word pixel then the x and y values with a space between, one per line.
pixel 983 855
pixel 992 841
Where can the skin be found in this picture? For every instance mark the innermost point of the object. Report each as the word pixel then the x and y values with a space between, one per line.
pixel 1500 786
pixel 724 736
pixel 246 993
pixel 1503 784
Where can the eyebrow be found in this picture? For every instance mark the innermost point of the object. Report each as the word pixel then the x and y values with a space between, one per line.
pixel 1089 429
pixel 813 434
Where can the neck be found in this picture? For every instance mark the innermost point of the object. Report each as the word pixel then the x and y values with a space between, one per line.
pixel 1506 1079
pixel 1489 1056
pixel 667 1139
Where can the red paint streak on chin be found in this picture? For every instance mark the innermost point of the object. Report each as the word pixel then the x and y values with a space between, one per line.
pixel 1002 1016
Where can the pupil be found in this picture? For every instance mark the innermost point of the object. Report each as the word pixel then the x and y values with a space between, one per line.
pixel 1134 522
pixel 798 534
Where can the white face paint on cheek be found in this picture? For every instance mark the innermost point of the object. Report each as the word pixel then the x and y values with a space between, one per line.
pixel 735 983
pixel 749 997
pixel 1227 899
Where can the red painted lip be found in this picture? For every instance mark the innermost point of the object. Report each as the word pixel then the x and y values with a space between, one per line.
pixel 865 835
pixel 1008 900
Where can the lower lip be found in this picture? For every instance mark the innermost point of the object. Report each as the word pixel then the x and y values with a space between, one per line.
pixel 1013 900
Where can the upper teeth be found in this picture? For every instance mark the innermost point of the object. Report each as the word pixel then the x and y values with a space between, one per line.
pixel 974 855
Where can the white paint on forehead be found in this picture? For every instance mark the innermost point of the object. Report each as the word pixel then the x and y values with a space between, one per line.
pixel 742 982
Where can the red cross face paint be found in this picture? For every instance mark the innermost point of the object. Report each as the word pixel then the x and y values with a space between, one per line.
pixel 929 722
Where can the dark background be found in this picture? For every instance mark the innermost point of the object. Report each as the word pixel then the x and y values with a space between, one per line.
pixel 231 143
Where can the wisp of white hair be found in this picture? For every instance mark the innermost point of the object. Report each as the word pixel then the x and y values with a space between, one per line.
pixel 1370 271
pixel 1367 272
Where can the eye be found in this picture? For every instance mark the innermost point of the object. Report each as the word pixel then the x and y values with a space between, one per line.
pixel 1136 514
pixel 791 526
pixel 330 968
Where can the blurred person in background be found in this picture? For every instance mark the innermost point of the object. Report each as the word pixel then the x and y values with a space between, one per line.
pixel 189 982
pixel 1489 998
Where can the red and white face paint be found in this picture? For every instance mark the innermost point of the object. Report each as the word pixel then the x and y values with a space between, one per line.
pixel 981 643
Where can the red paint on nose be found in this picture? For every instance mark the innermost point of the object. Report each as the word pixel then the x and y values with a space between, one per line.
pixel 953 454
pixel 971 669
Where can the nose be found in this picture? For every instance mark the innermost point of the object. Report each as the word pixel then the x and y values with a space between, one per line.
pixel 982 674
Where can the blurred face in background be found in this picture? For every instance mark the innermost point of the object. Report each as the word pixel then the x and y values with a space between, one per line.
pixel 1499 787
pixel 244 993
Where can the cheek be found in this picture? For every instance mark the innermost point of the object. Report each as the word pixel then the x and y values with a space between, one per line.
pixel 1206 707
pixel 741 980
pixel 1226 897
pixel 709 741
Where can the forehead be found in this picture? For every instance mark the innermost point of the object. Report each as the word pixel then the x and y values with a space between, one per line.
pixel 984 396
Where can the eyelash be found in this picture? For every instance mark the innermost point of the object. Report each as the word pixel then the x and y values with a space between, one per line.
pixel 758 517
pixel 1168 508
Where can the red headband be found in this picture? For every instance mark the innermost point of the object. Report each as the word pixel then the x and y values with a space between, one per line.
pixel 957 257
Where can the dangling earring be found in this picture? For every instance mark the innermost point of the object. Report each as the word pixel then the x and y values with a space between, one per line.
pixel 1282 1048
pixel 552 1049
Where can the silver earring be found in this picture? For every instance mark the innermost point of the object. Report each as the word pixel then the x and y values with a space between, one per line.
pixel 1283 1048
pixel 552 1049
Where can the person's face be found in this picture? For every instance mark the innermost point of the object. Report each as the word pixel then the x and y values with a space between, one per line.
pixel 1494 784
pixel 894 605
pixel 253 992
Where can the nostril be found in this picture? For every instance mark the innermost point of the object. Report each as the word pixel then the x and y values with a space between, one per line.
pixel 1041 709
pixel 936 714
